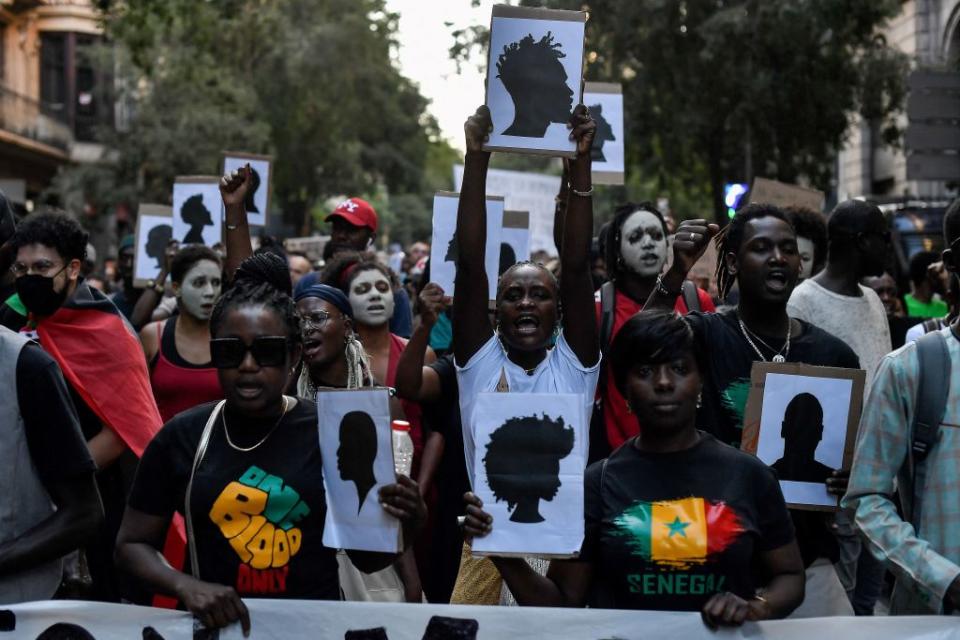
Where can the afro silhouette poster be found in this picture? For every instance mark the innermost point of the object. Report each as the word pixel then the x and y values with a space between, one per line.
pixel 443 249
pixel 357 460
pixel 605 102
pixel 534 72
pixel 154 232
pixel 258 198
pixel 802 421
pixel 528 467
pixel 197 210
pixel 514 239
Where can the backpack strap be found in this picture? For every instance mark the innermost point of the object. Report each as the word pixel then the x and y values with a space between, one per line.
pixel 931 403
pixel 608 307
pixel 932 324
pixel 691 297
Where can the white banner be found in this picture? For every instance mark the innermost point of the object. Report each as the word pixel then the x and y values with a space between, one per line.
pixel 317 620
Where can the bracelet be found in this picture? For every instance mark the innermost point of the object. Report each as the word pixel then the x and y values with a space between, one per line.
pixel 662 289
pixel 582 194
pixel 232 227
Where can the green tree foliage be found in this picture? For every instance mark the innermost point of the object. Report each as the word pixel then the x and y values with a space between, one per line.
pixel 311 82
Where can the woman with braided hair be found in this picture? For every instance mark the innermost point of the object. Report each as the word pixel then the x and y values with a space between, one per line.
pixel 246 472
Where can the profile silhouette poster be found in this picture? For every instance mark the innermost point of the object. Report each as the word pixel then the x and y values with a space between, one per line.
pixel 802 421
pixel 357 456
pixel 197 210
pixel 534 73
pixel 514 239
pixel 258 198
pixel 443 248
pixel 153 233
pixel 528 454
pixel 605 102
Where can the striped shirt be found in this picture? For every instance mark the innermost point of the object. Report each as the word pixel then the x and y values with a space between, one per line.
pixel 925 565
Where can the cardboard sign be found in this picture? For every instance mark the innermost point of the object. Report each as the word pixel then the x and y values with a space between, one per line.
pixel 605 102
pixel 258 198
pixel 514 239
pixel 765 191
pixel 197 210
pixel 311 246
pixel 534 72
pixel 443 248
pixel 153 233
pixel 801 420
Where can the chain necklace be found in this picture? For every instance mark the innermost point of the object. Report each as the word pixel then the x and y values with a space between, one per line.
pixel 223 416
pixel 779 356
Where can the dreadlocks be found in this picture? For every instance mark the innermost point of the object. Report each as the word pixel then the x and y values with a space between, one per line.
pixel 731 238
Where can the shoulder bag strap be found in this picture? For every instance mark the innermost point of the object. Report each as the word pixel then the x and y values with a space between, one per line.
pixel 197 459
pixel 691 297
pixel 931 403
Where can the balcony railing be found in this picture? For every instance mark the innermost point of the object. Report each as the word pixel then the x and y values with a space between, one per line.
pixel 26 117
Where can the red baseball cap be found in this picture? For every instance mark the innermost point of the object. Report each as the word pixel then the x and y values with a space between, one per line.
pixel 357 212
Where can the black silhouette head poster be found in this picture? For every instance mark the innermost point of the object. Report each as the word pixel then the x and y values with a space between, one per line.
pixel 154 231
pixel 528 463
pixel 357 457
pixel 514 239
pixel 197 210
pixel 605 102
pixel 534 72
pixel 807 423
pixel 443 248
pixel 258 198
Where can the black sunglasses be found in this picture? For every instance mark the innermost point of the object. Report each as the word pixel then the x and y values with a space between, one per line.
pixel 268 351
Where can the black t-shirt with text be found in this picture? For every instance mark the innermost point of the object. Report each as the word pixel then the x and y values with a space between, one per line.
pixel 667 531
pixel 258 515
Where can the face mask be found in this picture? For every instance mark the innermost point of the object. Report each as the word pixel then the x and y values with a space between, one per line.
pixel 643 245
pixel 37 293
pixel 371 298
pixel 200 288
pixel 806 250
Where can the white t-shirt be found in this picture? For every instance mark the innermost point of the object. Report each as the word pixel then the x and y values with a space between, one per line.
pixel 860 321
pixel 559 372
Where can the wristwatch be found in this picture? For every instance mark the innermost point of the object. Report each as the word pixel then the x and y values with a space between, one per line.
pixel 159 288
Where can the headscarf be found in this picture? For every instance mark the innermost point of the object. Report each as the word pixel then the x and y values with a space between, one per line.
pixel 327 293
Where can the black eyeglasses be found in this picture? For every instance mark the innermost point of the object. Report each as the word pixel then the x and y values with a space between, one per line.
pixel 268 351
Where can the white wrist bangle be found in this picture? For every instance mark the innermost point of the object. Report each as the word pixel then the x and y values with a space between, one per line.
pixel 582 194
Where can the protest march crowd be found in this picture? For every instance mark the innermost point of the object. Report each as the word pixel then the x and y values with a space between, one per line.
pixel 159 445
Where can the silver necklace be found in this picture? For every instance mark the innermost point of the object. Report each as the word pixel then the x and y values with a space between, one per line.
pixel 779 356
pixel 223 416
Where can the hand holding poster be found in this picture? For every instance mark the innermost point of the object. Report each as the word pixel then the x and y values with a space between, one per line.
pixel 443 247
pixel 197 210
pixel 534 73
pixel 258 198
pixel 605 102
pixel 802 420
pixel 528 471
pixel 357 461
pixel 153 234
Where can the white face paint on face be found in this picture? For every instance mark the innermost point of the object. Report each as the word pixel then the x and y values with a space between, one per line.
pixel 806 250
pixel 371 298
pixel 643 245
pixel 200 289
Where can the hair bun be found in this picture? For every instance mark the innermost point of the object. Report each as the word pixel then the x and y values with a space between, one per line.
pixel 265 268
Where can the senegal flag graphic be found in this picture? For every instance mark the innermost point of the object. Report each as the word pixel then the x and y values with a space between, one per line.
pixel 678 533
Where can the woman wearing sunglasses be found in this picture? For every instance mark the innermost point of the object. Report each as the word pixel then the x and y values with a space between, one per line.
pixel 246 473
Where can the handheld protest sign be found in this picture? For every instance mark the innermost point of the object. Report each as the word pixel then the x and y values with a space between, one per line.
pixel 153 233
pixel 534 71
pixel 766 191
pixel 802 421
pixel 444 248
pixel 528 467
pixel 197 210
pixel 357 457
pixel 257 202
pixel 514 239
pixel 605 102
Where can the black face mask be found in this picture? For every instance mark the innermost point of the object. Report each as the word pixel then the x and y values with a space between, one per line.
pixel 37 294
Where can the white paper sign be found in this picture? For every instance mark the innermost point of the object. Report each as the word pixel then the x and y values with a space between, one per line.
pixel 514 239
pixel 528 471
pixel 257 200
pixel 154 232
pixel 357 460
pixel 534 73
pixel 794 408
pixel 443 269
pixel 197 210
pixel 605 102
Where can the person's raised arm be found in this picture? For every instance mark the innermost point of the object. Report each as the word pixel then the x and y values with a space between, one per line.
pixel 414 381
pixel 576 284
pixel 233 190
pixel 689 244
pixel 560 207
pixel 151 296
pixel 471 328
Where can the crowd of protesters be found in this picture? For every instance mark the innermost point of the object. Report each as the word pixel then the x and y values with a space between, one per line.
pixel 148 416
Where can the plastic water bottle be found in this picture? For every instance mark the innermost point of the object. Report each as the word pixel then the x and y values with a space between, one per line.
pixel 402 447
